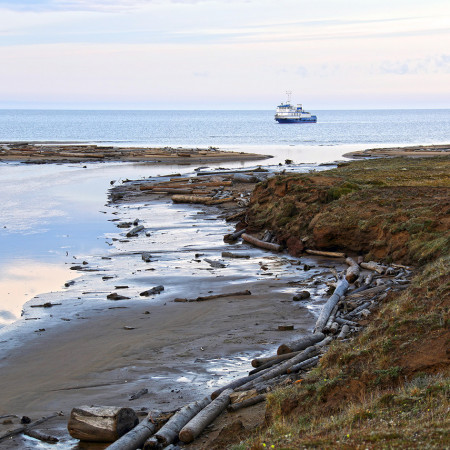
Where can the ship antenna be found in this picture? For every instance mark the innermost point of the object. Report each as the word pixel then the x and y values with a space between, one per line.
pixel 288 93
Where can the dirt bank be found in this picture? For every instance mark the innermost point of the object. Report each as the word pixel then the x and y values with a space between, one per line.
pixel 395 209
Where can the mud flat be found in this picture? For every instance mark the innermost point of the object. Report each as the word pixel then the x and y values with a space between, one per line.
pixel 70 153
pixel 412 151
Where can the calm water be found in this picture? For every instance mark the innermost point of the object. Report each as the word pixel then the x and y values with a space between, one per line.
pixel 226 128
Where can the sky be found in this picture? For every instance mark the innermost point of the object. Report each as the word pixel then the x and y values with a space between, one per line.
pixel 224 54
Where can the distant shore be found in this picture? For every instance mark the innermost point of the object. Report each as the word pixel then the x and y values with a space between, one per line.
pixel 414 151
pixel 51 152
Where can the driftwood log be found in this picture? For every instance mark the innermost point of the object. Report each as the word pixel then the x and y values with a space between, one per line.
pixel 101 423
pixel 304 364
pixel 212 297
pixel 237 383
pixel 246 403
pixel 329 254
pixel 372 265
pixel 352 272
pixel 260 362
pixel 24 428
pixel 327 309
pixel 191 199
pixel 280 369
pixel 258 243
pixel 40 436
pixel 169 432
pixel 233 236
pixel 135 231
pixel 137 436
pixel 301 344
pixel 207 415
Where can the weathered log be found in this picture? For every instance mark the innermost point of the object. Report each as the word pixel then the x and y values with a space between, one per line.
pixel 246 403
pixel 212 297
pixel 40 436
pixel 280 369
pixel 28 426
pixel 345 330
pixel 169 432
pixel 367 292
pixel 342 321
pixel 207 415
pixel 191 199
pixel 237 383
pixel 304 364
pixel 372 265
pixel 233 236
pixel 218 201
pixel 258 243
pixel 101 423
pixel 245 178
pixel 352 272
pixel 234 255
pixel 329 254
pixel 272 362
pixel 331 318
pixel 357 310
pixel 339 292
pixel 259 362
pixel 173 191
pixel 215 264
pixel 301 344
pixel 138 394
pixel 325 342
pixel 135 438
pixel 135 231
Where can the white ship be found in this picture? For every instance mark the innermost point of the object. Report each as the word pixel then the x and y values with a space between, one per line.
pixel 288 113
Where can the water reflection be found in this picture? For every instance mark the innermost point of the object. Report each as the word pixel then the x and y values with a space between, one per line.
pixel 24 279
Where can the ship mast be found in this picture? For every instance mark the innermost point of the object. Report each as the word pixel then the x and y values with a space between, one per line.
pixel 289 93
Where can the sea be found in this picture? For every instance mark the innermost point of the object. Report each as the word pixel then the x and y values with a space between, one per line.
pixel 227 128
pixel 55 214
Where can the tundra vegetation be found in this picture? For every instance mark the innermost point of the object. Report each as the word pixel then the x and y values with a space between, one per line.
pixel 389 385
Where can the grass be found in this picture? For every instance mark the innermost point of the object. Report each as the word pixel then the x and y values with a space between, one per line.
pixel 396 209
pixel 388 387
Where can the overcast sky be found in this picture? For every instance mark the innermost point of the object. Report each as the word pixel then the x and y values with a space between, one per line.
pixel 224 54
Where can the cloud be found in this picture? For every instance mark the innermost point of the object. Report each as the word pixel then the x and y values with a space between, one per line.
pixel 432 64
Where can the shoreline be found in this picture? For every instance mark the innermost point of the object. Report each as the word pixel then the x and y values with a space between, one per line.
pixel 410 151
pixel 94 350
pixel 49 152
pixel 134 344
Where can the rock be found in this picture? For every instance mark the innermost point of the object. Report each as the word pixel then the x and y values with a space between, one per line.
pixel 116 296
pixel 302 295
pixel 152 291
pixel 146 256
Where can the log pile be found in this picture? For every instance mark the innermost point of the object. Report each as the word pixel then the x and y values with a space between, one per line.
pixel 357 292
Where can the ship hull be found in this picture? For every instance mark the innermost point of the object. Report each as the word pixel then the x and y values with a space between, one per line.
pixel 312 119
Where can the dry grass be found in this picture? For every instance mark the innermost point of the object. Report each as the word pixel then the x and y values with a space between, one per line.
pixel 386 388
pixel 389 386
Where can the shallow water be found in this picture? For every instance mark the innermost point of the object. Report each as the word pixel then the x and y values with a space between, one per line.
pixel 55 215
